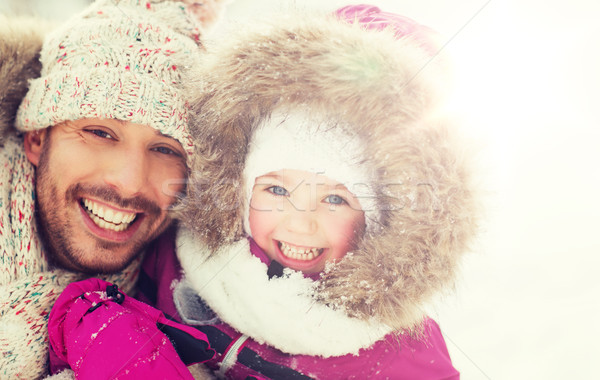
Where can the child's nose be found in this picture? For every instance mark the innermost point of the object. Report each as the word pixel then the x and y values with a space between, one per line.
pixel 301 222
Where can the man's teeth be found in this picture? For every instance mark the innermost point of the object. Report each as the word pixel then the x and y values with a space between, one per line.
pixel 107 218
pixel 298 253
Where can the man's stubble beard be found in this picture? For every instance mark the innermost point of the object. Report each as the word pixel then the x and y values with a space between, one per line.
pixel 54 232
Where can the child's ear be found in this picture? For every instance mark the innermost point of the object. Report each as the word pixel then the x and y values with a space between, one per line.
pixel 34 144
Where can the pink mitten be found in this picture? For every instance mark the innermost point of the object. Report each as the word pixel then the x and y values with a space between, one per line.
pixel 101 333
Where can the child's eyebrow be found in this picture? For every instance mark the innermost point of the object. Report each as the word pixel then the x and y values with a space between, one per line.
pixel 271 176
pixel 269 180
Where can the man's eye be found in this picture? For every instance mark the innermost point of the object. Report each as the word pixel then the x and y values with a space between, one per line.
pixel 335 200
pixel 278 190
pixel 165 150
pixel 101 133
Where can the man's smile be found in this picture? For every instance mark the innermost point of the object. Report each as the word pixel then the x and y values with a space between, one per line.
pixel 107 217
pixel 109 222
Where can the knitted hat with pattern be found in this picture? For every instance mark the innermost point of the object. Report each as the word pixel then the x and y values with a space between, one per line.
pixel 119 59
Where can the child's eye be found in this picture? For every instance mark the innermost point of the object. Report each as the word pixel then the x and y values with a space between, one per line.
pixel 278 190
pixel 335 200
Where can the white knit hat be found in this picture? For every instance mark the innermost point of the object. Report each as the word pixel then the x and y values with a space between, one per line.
pixel 301 142
pixel 119 59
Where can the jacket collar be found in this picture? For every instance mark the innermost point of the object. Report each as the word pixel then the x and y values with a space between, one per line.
pixel 281 312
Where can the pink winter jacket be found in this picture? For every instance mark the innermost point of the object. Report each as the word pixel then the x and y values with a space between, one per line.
pixel 100 333
pixel 395 357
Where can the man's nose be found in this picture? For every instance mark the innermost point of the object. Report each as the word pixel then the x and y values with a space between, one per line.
pixel 127 174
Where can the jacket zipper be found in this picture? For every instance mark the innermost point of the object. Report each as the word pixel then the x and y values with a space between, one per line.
pixel 231 355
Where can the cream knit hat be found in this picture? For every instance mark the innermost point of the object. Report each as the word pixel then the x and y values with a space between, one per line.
pixel 119 59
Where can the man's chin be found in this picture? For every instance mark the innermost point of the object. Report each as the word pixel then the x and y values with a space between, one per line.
pixel 76 249
pixel 100 262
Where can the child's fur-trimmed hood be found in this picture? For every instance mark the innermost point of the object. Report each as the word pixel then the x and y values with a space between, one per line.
pixel 388 89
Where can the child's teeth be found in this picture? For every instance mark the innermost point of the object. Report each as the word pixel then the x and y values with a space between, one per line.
pixel 297 253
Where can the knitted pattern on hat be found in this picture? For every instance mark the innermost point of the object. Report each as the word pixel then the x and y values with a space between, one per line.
pixel 28 287
pixel 121 60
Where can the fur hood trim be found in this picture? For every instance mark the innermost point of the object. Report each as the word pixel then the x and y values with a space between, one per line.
pixel 280 312
pixel 388 89
pixel 20 45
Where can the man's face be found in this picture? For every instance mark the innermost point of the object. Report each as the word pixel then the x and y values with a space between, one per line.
pixel 103 190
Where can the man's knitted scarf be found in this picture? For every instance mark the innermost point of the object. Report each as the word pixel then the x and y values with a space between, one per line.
pixel 28 285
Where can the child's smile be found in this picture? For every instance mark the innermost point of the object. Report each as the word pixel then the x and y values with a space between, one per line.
pixel 304 220
pixel 298 252
pixel 299 257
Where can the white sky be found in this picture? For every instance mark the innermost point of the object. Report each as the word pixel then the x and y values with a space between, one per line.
pixel 527 304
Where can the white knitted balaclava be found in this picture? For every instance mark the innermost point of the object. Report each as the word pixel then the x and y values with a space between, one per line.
pixel 300 142
pixel 119 59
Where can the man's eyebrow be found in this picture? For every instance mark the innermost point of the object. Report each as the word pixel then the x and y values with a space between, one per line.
pixel 156 131
pixel 160 134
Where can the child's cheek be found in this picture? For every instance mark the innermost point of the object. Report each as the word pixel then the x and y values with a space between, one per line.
pixel 341 236
pixel 259 220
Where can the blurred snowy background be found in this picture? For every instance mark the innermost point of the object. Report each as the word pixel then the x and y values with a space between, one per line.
pixel 527 303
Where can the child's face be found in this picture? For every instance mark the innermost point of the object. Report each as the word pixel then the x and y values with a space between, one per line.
pixel 304 220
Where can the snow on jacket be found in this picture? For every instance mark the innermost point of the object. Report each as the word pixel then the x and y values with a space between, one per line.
pixel 101 333
pixel 239 279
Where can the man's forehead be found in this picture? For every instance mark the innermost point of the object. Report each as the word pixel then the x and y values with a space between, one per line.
pixel 156 131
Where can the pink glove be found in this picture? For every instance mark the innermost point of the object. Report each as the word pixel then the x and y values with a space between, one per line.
pixel 102 334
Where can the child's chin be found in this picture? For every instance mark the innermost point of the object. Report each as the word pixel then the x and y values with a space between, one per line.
pixel 307 270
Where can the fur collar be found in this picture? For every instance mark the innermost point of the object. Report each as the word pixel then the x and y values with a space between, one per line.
pixel 281 312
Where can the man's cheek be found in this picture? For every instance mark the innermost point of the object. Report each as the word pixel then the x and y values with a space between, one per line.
pixel 172 189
